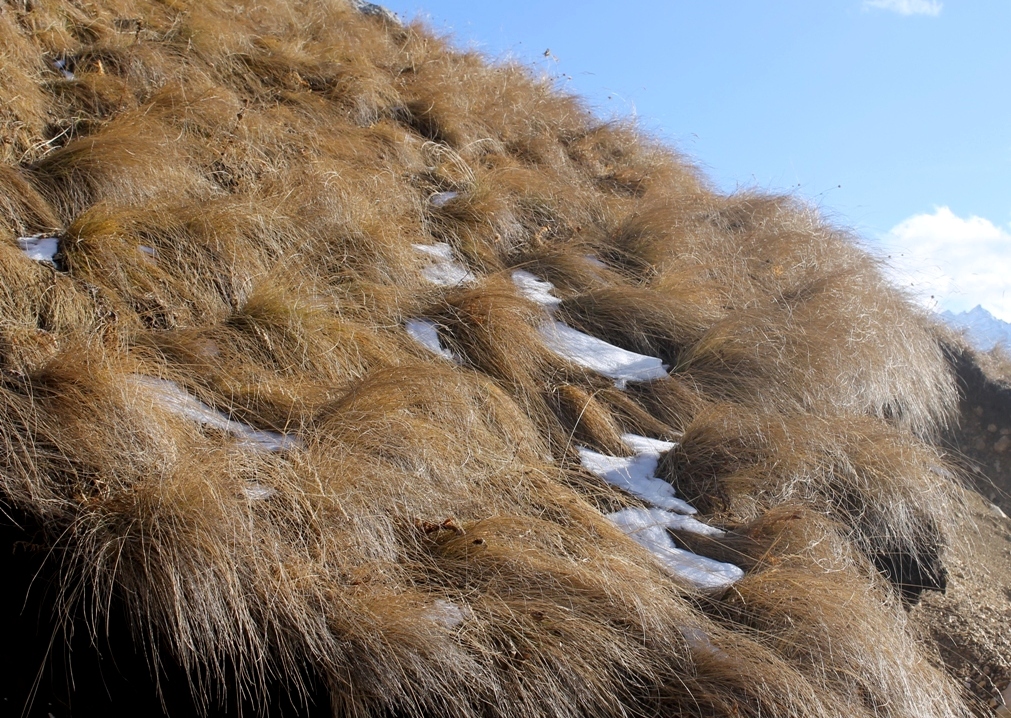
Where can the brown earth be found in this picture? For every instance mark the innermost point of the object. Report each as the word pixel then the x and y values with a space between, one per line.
pixel 970 621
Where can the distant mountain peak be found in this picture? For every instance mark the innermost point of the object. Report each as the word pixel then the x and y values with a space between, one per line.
pixel 983 330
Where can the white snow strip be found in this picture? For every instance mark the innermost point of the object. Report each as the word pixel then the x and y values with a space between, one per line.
pixel 699 641
pixel 426 333
pixel 587 351
pixel 941 471
pixel 171 397
pixel 535 289
pixel 440 199
pixel 440 250
pixel 645 445
pixel 449 614
pixel 599 356
pixel 62 67
pixel 636 475
pixel 258 492
pixel 594 261
pixel 40 249
pixel 147 250
pixel 445 270
pixel 648 528
pixel 648 518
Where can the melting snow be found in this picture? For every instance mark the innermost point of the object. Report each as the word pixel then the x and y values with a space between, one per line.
pixel 596 354
pixel 174 399
pixel 61 65
pixel 636 474
pixel 41 249
pixel 449 614
pixel 440 199
pixel 258 492
pixel 426 333
pixel 698 640
pixel 147 250
pixel 679 522
pixel 646 445
pixel 445 270
pixel 614 362
pixel 648 528
pixel 534 289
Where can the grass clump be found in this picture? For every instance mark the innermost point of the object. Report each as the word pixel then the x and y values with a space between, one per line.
pixel 217 431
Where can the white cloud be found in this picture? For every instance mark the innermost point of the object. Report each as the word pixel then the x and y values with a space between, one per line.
pixel 907 7
pixel 952 263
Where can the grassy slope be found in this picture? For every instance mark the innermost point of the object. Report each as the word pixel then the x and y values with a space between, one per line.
pixel 237 189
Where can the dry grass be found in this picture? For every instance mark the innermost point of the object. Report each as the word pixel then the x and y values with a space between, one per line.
pixel 237 191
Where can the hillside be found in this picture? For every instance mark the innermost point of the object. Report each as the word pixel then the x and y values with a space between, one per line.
pixel 346 373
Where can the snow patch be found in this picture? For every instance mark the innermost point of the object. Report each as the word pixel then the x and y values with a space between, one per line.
pixel 426 333
pixel 444 271
pixel 440 199
pixel 698 640
pixel 40 249
pixel 535 289
pixel 597 355
pixel 646 445
pixel 61 65
pixel 637 474
pixel 448 614
pixel 648 528
pixel 171 397
pixel 678 522
pixel 258 492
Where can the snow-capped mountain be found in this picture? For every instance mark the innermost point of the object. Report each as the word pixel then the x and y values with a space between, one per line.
pixel 982 329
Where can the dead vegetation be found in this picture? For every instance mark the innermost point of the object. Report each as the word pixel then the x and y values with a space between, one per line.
pixel 237 192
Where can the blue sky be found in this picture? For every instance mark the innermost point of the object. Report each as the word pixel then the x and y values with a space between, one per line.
pixel 892 116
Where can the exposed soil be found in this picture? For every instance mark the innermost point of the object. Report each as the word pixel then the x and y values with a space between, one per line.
pixel 971 622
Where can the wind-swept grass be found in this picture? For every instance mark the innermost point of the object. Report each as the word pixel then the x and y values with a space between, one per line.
pixel 215 423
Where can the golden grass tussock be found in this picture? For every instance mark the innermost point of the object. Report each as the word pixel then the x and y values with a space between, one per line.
pixel 279 403
pixel 25 212
pixel 640 320
pixel 675 402
pixel 43 306
pixel 621 163
pixel 591 421
pixel 126 163
pixel 857 469
pixel 23 117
